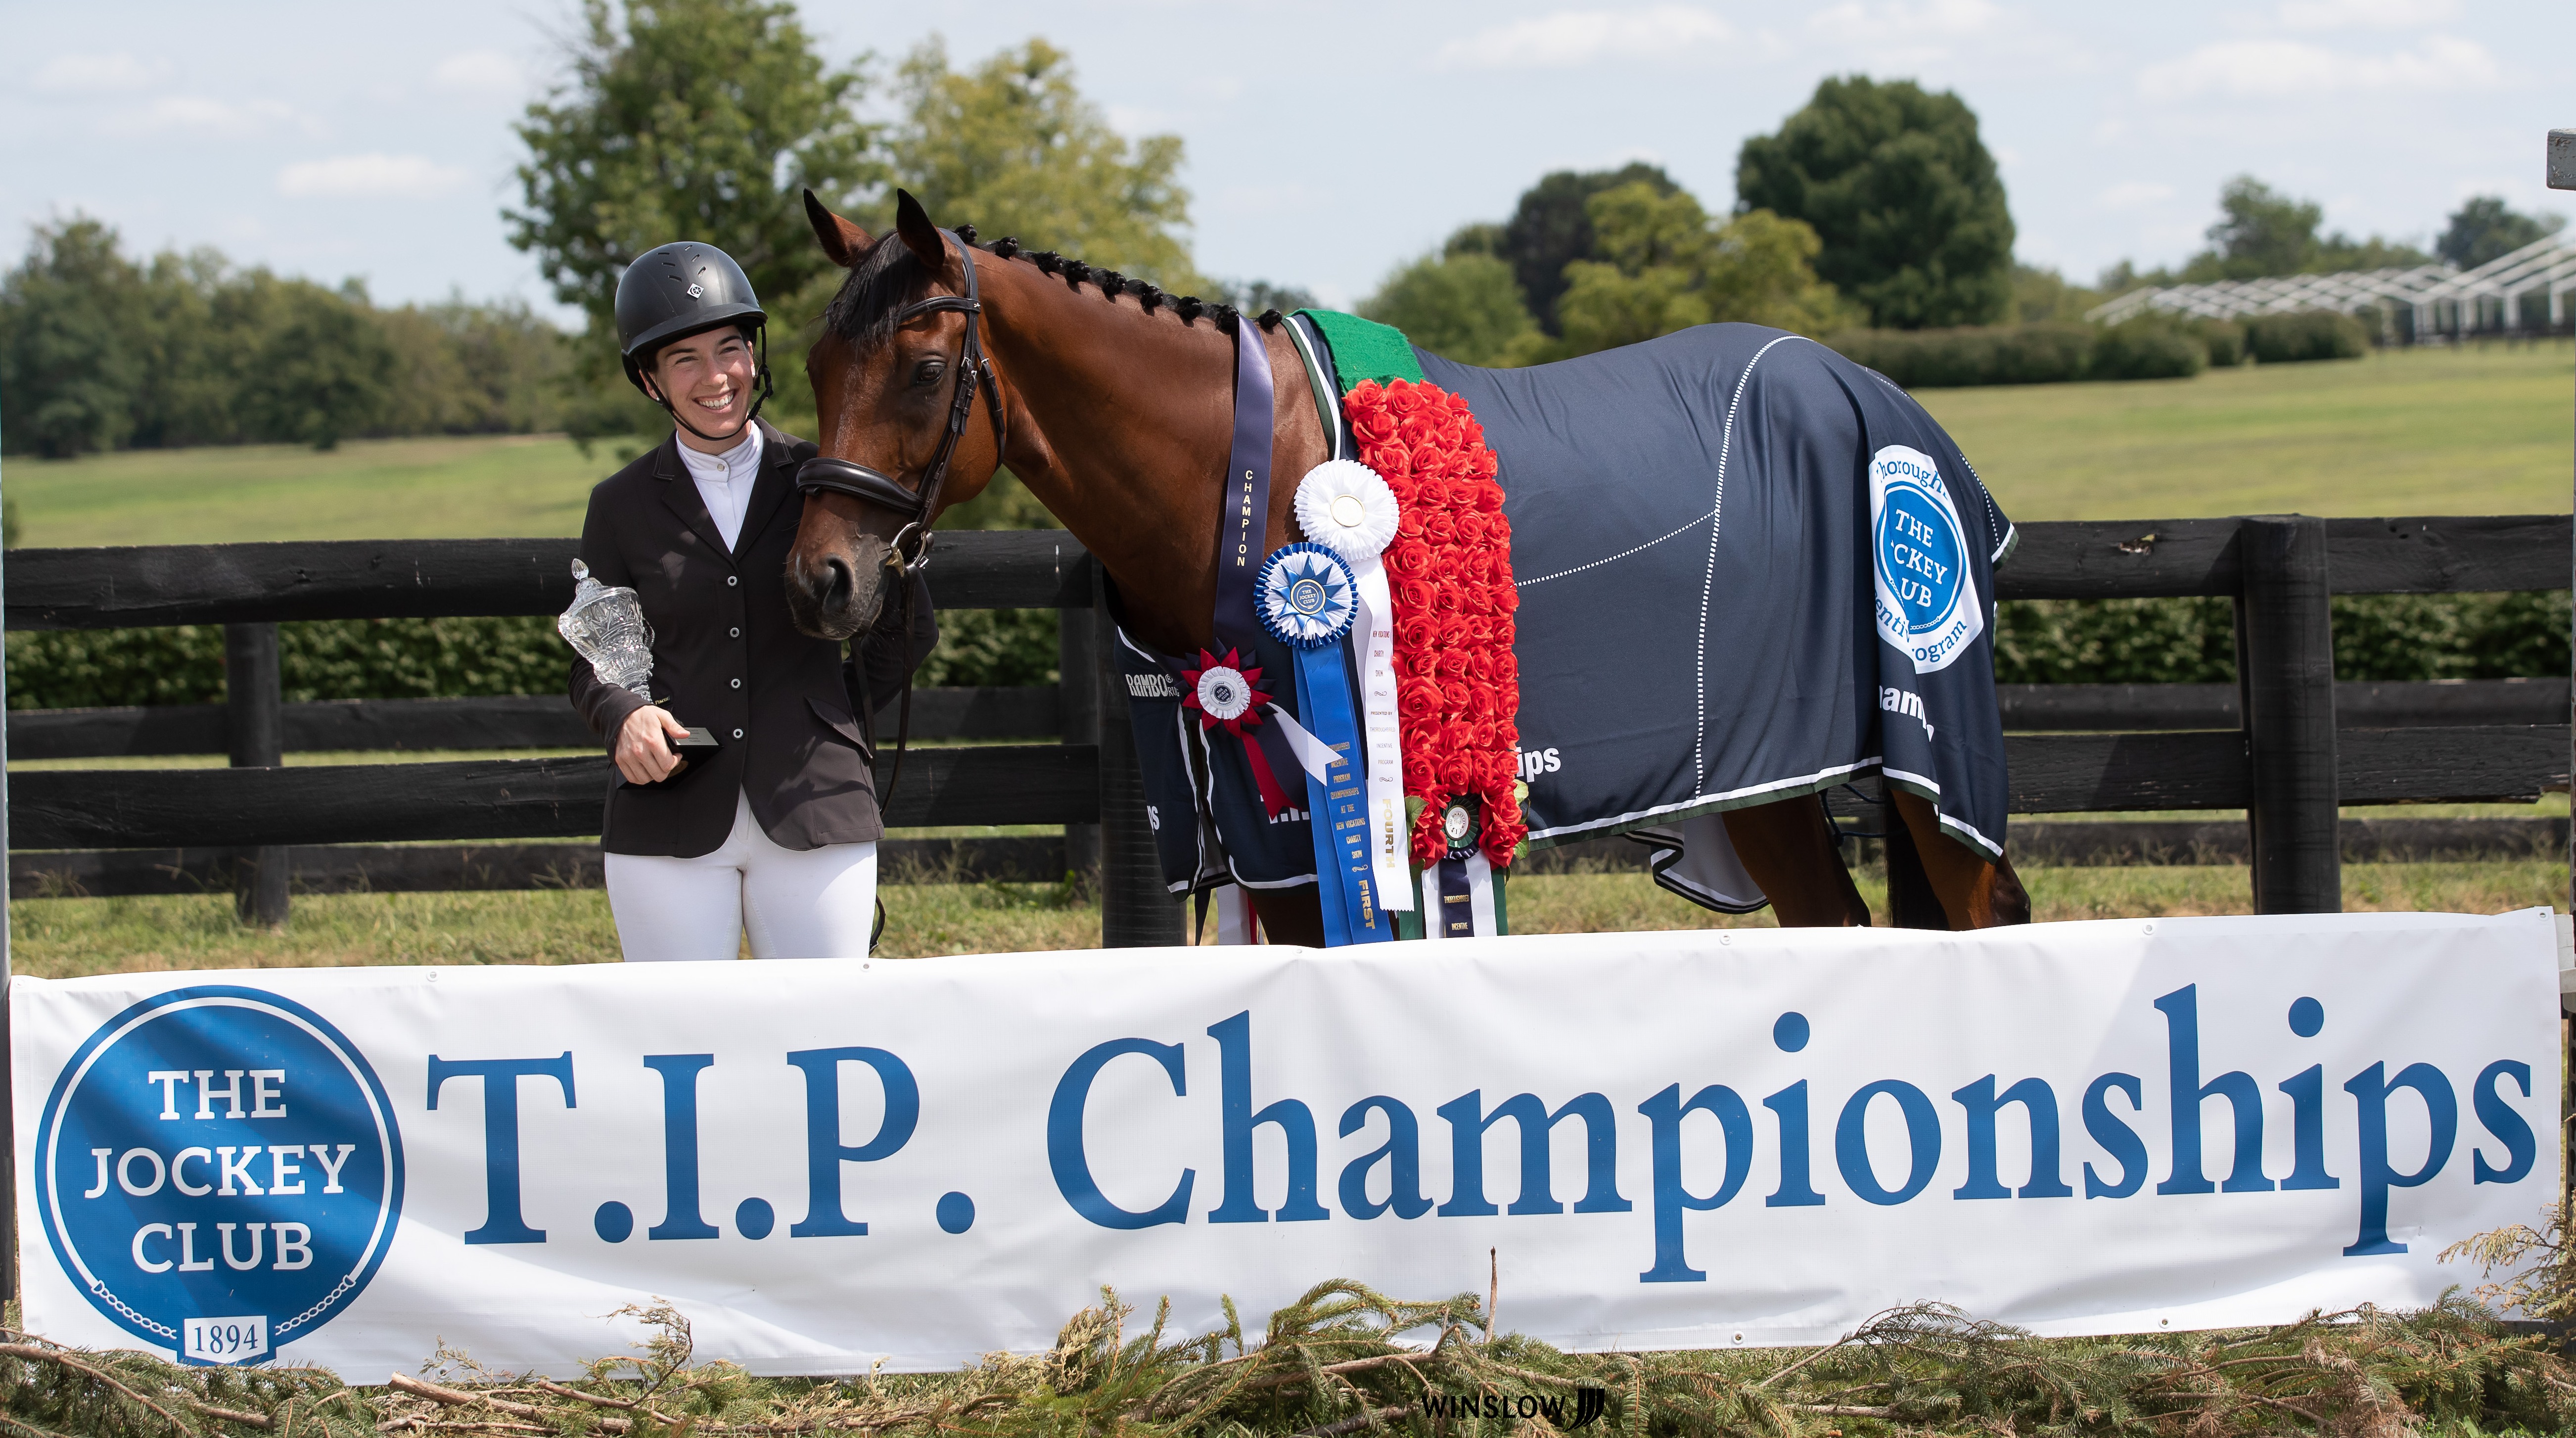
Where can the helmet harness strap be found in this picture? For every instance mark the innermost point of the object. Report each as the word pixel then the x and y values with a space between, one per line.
pixel 760 341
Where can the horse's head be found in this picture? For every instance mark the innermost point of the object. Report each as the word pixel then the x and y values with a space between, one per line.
pixel 897 374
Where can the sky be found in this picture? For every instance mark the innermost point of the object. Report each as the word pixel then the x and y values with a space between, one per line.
pixel 1328 141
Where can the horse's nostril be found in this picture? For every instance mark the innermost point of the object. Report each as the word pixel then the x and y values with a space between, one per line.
pixel 837 584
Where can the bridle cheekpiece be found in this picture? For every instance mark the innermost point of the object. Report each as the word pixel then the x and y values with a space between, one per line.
pixel 874 486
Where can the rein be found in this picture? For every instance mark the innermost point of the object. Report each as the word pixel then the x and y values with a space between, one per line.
pixel 874 486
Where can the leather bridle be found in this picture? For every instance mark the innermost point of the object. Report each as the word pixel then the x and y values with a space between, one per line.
pixel 874 486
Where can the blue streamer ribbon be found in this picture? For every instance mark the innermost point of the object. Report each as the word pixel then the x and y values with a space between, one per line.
pixel 1306 598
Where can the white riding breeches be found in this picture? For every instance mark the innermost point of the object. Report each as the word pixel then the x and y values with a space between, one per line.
pixel 795 904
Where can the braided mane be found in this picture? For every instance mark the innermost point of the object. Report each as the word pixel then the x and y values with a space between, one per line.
pixel 865 308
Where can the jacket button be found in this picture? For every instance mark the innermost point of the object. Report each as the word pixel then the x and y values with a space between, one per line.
pixel 732 580
pixel 737 684
pixel 737 634
pixel 737 733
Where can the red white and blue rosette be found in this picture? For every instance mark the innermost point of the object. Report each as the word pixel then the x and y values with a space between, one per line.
pixel 1305 595
pixel 1306 598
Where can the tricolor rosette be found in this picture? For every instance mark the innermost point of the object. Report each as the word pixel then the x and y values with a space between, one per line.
pixel 1344 506
pixel 1306 596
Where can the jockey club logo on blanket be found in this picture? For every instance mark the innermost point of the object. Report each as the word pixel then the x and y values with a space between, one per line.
pixel 1927 600
pixel 219 1171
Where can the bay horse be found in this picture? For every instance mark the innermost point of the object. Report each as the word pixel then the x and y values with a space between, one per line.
pixel 1117 416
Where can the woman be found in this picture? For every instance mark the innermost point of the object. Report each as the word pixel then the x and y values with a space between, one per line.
pixel 775 830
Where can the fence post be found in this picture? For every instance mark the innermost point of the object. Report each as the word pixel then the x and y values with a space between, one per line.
pixel 2285 670
pixel 2562 176
pixel 1077 649
pixel 1136 911
pixel 255 732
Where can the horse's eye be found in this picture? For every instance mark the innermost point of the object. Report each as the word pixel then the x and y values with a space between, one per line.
pixel 929 371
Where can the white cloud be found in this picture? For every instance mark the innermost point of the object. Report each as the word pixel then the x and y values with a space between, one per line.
pixel 2131 194
pixel 1901 20
pixel 1567 38
pixel 115 74
pixel 2364 14
pixel 195 115
pixel 371 176
pixel 480 70
pixel 2267 69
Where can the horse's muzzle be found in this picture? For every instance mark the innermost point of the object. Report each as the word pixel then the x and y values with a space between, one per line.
pixel 837 594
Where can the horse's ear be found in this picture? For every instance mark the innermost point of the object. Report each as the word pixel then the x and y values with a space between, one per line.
pixel 919 235
pixel 842 241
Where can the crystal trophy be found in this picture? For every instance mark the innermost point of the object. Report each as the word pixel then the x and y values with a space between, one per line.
pixel 606 626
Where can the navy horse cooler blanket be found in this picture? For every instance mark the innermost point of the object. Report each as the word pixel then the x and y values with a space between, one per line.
pixel 1749 569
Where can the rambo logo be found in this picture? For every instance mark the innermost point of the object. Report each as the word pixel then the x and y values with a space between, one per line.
pixel 1908 703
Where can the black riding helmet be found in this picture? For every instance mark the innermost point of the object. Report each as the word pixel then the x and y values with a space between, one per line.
pixel 678 290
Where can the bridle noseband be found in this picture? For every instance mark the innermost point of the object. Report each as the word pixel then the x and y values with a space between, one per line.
pixel 875 486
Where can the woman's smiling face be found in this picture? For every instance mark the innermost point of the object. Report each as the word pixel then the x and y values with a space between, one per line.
pixel 708 378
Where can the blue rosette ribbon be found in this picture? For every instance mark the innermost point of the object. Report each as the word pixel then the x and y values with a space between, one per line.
pixel 1307 597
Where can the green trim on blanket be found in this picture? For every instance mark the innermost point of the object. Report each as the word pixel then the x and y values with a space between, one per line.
pixel 1365 349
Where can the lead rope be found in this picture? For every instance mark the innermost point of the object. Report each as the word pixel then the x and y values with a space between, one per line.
pixel 902 727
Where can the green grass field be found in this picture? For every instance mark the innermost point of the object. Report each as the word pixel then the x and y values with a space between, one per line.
pixel 2472 431
pixel 484 487
pixel 2467 431
pixel 66 938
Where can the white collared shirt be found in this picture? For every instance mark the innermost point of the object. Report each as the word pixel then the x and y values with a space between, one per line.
pixel 725 481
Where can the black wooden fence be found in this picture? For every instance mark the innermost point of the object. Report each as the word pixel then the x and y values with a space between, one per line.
pixel 2277 747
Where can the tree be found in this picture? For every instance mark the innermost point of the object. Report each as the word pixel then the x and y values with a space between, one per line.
pixel 2262 232
pixel 2485 229
pixel 1665 267
pixel 691 119
pixel 71 361
pixel 2041 294
pixel 1901 192
pixel 1258 297
pixel 1465 306
pixel 1551 228
pixel 1013 148
pixel 324 370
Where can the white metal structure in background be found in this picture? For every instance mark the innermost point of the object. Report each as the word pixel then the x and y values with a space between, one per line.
pixel 2502 294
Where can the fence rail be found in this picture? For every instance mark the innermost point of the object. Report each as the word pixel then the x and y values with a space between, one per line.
pixel 1035 711
pixel 2167 747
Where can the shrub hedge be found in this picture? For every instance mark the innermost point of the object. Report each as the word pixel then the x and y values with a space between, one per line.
pixel 2307 335
pixel 2151 346
pixel 2383 637
pixel 423 659
pixel 2120 641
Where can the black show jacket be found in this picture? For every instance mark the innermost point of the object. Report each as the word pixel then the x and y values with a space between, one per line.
pixel 783 707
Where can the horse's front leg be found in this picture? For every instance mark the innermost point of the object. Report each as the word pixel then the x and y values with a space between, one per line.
pixel 1290 916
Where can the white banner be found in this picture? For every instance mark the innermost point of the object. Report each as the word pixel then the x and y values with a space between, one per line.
pixel 1671 1139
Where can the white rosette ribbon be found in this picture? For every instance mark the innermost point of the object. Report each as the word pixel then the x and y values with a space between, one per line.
pixel 1344 506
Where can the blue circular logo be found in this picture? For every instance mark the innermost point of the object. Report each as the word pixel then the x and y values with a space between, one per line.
pixel 219 1169
pixel 1919 554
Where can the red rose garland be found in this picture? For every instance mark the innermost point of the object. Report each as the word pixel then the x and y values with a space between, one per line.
pixel 1450 569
